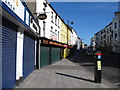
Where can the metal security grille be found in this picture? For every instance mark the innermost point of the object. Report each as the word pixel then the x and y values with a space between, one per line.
pixel 9 38
pixel 28 55
pixel 55 54
pixel 44 56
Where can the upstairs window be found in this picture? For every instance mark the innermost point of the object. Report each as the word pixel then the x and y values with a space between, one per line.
pixel 110 29
pixel 44 25
pixel 115 25
pixel 51 16
pixel 115 36
pixel 58 23
pixel 44 28
pixel 51 28
pixel 55 19
pixel 119 23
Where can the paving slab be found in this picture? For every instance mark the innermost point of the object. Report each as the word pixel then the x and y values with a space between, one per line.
pixel 62 74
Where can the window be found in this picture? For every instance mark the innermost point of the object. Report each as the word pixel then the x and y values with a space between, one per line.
pixel 55 32
pixel 115 36
pixel 104 36
pixel 107 30
pixel 112 34
pixel 110 38
pixel 52 17
pixel 119 23
pixel 44 28
pixel 104 42
pixel 55 19
pixel 58 22
pixel 51 28
pixel 110 29
pixel 115 25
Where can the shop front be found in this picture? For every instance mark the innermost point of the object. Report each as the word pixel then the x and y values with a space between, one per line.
pixel 18 33
pixel 50 52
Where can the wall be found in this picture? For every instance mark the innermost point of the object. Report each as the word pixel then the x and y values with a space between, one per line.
pixel 52 29
pixel 63 33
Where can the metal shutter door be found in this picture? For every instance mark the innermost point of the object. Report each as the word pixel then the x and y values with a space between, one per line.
pixel 9 38
pixel 28 55
pixel 44 56
pixel 55 55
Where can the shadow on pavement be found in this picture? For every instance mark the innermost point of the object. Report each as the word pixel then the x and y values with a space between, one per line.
pixel 75 77
pixel 110 65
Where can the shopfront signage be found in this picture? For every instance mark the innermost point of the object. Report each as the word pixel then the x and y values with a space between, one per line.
pixel 47 42
pixel 34 26
pixel 20 10
pixel 16 6
pixel 27 17
pixel 65 46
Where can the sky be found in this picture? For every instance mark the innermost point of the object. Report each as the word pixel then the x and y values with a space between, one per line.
pixel 88 17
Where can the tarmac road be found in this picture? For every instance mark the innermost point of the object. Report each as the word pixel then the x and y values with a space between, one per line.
pixel 110 67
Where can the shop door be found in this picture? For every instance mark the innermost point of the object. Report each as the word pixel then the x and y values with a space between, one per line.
pixel 8 38
pixel 55 54
pixel 44 56
pixel 28 55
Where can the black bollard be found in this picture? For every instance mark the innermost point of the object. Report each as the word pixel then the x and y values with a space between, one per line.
pixel 98 66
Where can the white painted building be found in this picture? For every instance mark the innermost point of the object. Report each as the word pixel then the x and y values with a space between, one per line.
pixel 73 37
pixel 79 41
pixel 50 27
pixel 93 43
pixel 116 32
pixel 98 39
pixel 109 37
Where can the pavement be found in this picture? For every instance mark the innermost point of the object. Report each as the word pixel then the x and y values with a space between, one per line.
pixel 110 68
pixel 62 74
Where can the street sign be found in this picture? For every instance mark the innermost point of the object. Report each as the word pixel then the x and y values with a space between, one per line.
pixel 99 65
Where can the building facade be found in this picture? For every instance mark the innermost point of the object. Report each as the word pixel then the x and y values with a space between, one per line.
pixel 93 43
pixel 108 38
pixel 73 37
pixel 19 32
pixel 63 32
pixel 29 43
pixel 51 26
pixel 116 33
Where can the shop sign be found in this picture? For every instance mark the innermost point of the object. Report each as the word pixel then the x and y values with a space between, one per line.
pixel 45 42
pixel 51 43
pixel 27 18
pixel 42 16
pixel 64 45
pixel 34 26
pixel 16 6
